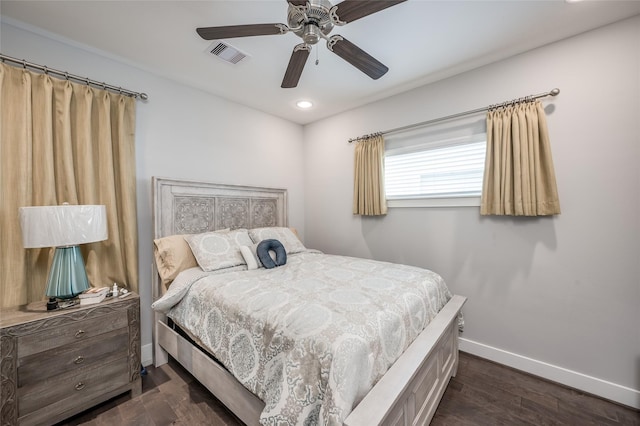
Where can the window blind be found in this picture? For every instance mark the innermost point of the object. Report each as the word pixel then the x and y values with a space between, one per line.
pixel 435 172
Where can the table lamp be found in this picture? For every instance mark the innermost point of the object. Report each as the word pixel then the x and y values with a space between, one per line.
pixel 64 227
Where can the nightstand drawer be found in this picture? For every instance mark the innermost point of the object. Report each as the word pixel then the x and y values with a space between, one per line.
pixel 66 334
pixel 98 349
pixel 72 388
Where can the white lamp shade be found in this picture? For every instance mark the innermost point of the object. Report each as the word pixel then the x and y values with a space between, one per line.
pixel 61 226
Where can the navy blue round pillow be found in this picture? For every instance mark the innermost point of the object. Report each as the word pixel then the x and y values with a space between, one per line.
pixel 265 247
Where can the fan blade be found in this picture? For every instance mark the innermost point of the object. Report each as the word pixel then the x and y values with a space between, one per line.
pixel 297 2
pixel 350 10
pixel 233 31
pixel 357 57
pixel 296 65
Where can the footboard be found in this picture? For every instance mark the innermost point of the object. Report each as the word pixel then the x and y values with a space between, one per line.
pixel 409 393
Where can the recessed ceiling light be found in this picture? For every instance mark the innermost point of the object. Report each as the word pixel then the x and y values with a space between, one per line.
pixel 304 104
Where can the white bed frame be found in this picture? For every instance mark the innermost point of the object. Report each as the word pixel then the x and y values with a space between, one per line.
pixel 408 394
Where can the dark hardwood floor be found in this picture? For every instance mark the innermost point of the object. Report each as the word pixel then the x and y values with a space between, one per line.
pixel 482 393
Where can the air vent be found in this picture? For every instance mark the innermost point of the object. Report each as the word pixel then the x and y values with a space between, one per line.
pixel 226 52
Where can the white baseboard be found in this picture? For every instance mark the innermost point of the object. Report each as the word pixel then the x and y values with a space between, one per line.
pixel 602 388
pixel 146 354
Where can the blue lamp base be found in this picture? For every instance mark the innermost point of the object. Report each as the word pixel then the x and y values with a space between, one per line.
pixel 67 276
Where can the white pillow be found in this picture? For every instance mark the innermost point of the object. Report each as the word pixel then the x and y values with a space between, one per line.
pixel 286 236
pixel 215 250
pixel 173 255
pixel 250 257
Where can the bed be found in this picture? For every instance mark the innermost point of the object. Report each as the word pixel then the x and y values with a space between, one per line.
pixel 398 388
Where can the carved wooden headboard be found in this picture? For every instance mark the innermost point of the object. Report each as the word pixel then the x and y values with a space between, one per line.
pixel 190 207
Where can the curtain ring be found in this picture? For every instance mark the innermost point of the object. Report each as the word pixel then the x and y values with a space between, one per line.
pixel 66 75
pixel 24 64
pixel 104 86
pixel 46 71
pixel 86 80
pixel 120 90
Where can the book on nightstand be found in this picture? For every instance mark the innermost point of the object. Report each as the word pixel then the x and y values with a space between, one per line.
pixel 93 295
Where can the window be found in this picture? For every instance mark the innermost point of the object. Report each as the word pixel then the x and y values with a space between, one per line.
pixel 435 173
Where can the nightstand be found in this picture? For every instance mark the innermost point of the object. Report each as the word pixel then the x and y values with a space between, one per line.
pixel 58 363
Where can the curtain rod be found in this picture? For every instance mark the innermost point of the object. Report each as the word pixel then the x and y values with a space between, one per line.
pixel 78 78
pixel 553 92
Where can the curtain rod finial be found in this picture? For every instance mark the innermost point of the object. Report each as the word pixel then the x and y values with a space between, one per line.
pixel 554 92
pixel 144 96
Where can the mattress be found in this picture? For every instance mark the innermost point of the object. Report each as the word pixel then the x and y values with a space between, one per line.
pixel 309 338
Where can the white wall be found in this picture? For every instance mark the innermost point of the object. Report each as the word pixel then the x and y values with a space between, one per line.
pixel 181 133
pixel 558 296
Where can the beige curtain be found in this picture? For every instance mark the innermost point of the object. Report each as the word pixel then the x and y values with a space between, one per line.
pixel 368 183
pixel 519 178
pixel 65 142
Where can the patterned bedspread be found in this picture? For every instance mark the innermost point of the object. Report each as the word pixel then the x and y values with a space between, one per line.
pixel 309 338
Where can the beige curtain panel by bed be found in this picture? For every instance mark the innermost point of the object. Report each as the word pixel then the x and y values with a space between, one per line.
pixel 65 142
pixel 368 180
pixel 519 178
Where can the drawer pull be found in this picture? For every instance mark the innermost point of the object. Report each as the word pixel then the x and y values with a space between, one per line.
pixel 79 360
pixel 79 386
pixel 79 333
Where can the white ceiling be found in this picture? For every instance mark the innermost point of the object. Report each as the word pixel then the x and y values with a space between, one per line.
pixel 420 41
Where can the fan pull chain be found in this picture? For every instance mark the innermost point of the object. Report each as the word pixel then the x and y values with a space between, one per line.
pixel 317 60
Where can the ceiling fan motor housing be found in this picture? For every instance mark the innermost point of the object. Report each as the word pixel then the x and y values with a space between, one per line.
pixel 311 21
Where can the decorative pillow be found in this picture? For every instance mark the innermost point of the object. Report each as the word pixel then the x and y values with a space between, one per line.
pixel 250 254
pixel 250 257
pixel 265 247
pixel 173 255
pixel 286 236
pixel 215 250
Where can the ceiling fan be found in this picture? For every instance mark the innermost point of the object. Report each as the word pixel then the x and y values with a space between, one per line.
pixel 313 20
